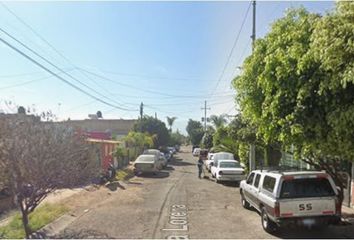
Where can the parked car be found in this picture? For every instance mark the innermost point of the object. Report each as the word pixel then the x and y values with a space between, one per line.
pixel 194 147
pixel 221 156
pixel 291 198
pixel 162 160
pixel 177 147
pixel 209 160
pixel 146 163
pixel 152 152
pixel 172 149
pixel 168 156
pixel 196 152
pixel 228 170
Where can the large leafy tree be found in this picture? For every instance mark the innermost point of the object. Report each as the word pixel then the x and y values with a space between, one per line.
pixel 195 131
pixel 154 127
pixel 297 87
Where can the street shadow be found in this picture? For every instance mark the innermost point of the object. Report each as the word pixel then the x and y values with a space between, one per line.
pixel 135 183
pixel 113 186
pixel 180 162
pixel 169 168
pixel 160 174
pixel 81 234
pixel 306 233
pixel 231 184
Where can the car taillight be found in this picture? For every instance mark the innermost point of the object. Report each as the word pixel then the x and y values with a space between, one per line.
pixel 220 172
pixel 338 207
pixel 276 210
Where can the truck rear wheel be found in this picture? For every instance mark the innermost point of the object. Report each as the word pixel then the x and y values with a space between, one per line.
pixel 268 225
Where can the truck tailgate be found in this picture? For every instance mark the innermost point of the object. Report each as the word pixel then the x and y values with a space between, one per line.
pixel 307 207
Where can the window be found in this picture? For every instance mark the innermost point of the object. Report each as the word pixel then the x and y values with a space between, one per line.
pixel 310 187
pixel 230 165
pixel 268 183
pixel 256 182
pixel 250 178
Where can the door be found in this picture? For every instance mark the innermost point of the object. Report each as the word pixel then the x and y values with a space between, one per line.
pixel 254 189
pixel 248 186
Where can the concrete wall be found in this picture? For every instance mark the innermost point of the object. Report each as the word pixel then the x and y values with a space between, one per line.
pixel 114 126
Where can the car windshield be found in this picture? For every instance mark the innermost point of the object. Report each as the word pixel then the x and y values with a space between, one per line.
pixel 145 159
pixel 230 165
pixel 224 156
pixel 305 188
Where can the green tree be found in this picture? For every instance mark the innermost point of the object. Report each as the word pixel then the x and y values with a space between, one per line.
pixel 195 131
pixel 177 138
pixel 154 127
pixel 207 140
pixel 218 121
pixel 170 121
pixel 297 86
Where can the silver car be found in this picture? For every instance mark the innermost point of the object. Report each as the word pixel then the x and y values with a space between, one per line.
pixel 146 163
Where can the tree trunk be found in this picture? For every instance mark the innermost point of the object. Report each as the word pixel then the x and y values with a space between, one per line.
pixel 25 221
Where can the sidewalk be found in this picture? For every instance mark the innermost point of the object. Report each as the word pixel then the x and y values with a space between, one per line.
pixel 348 214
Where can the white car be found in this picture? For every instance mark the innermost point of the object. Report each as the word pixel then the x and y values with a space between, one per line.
pixel 209 161
pixel 221 156
pixel 228 170
pixel 146 163
pixel 196 152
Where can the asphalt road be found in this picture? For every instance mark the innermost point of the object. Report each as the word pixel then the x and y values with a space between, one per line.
pixel 176 204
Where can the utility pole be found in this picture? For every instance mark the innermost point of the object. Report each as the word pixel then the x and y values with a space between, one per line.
pixel 253 36
pixel 155 115
pixel 205 114
pixel 141 110
pixel 252 154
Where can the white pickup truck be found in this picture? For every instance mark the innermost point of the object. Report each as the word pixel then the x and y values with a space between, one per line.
pixel 291 198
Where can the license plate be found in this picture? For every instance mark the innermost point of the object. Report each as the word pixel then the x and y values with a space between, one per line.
pixel 308 221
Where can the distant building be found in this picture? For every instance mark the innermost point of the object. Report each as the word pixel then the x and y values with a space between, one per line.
pixel 102 128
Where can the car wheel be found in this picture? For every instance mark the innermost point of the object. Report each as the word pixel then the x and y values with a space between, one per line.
pixel 244 202
pixel 268 225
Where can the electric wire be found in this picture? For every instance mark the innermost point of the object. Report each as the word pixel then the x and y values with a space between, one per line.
pixel 47 61
pixel 59 77
pixel 232 49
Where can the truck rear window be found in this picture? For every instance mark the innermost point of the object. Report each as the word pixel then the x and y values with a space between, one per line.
pixel 306 188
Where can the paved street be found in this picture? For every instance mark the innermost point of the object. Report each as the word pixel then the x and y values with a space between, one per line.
pixel 176 203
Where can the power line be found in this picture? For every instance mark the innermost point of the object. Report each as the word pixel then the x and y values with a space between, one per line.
pixel 47 61
pixel 141 89
pixel 60 54
pixel 149 76
pixel 59 77
pixel 26 82
pixel 232 49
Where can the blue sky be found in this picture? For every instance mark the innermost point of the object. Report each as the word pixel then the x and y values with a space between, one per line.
pixel 168 55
